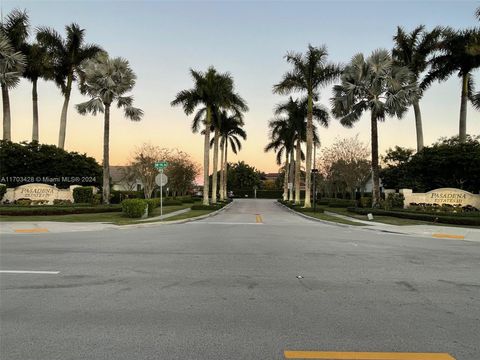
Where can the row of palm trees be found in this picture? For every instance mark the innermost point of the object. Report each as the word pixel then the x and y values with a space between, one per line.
pixel 106 81
pixel 386 84
pixel 220 110
pixel 50 57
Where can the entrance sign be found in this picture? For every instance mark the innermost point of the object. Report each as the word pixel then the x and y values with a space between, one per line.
pixel 39 193
pixel 442 196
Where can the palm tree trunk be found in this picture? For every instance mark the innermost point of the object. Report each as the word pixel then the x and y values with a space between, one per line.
pixel 298 161
pixel 285 178
pixel 418 125
pixel 375 171
pixel 291 171
pixel 106 156
pixel 215 166
pixel 226 168
pixel 463 109
pixel 308 165
pixel 63 116
pixel 206 155
pixel 35 111
pixel 7 129
pixel 222 169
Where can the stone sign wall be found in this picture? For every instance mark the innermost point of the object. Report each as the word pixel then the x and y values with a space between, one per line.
pixel 441 196
pixel 39 192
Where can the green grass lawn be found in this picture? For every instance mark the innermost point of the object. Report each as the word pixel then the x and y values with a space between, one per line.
pixel 331 218
pixel 116 218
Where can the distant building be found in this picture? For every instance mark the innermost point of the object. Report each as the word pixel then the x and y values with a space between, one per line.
pixel 123 179
pixel 271 176
pixel 368 187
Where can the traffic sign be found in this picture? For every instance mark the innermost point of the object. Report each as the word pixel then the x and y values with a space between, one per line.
pixel 161 165
pixel 161 179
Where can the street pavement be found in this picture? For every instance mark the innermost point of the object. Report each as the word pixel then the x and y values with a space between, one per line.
pixel 252 282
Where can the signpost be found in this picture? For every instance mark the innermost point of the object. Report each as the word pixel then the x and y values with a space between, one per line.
pixel 161 180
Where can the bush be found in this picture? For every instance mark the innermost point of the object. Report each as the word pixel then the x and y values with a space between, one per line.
pixel 13 210
pixel 134 208
pixel 97 199
pixel 152 204
pixel 83 194
pixel 62 202
pixel 394 201
pixel 170 202
pixel 3 190
pixel 341 203
pixel 217 206
pixel 117 196
pixel 23 202
pixel 39 202
pixel 365 202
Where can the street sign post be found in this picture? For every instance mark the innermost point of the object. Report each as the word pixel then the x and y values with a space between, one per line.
pixel 161 180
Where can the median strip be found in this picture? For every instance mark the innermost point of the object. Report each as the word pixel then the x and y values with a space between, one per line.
pixel 448 236
pixel 35 230
pixel 334 355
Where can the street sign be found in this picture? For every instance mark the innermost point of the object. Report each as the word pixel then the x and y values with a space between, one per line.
pixel 161 165
pixel 161 179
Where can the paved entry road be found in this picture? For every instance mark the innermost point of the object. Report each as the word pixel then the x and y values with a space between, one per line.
pixel 254 282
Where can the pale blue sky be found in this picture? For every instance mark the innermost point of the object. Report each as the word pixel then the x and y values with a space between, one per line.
pixel 162 40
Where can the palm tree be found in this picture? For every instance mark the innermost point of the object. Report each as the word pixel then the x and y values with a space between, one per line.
pixel 214 91
pixel 413 51
pixel 374 84
pixel 68 54
pixel 310 72
pixel 39 65
pixel 14 32
pixel 458 53
pixel 477 13
pixel 297 111
pixel 282 140
pixel 232 132
pixel 107 81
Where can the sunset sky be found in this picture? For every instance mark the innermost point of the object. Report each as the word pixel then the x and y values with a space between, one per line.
pixel 249 39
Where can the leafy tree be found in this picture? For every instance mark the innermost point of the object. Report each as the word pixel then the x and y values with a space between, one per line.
pixel 211 90
pixel 107 81
pixel 68 55
pixel 13 34
pixel 398 156
pixel 377 85
pixel 242 176
pixel 413 51
pixel 24 163
pixel 459 53
pixel 310 72
pixel 181 172
pixel 39 65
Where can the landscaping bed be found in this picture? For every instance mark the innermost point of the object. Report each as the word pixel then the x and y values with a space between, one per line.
pixel 45 210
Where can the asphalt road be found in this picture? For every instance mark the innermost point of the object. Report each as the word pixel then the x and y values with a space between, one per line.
pixel 227 287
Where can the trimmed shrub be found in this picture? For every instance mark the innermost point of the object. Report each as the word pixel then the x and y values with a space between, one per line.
pixel 394 201
pixel 83 194
pixel 365 202
pixel 62 202
pixel 3 190
pixel 23 202
pixel 152 204
pixel 217 206
pixel 40 210
pixel 134 208
pixel 169 202
pixel 39 202
pixel 117 196
pixel 341 203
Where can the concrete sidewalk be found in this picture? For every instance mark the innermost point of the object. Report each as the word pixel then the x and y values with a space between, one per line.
pixel 437 231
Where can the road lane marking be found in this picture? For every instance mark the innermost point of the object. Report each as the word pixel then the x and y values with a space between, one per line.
pixel 35 230
pixel 29 272
pixel 258 219
pixel 334 355
pixel 448 236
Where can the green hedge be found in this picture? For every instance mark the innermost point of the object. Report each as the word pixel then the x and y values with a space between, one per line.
pixel 152 204
pixel 3 190
pixel 56 210
pixel 216 206
pixel 134 208
pixel 83 194
pixel 336 203
pixel 459 219
pixel 117 196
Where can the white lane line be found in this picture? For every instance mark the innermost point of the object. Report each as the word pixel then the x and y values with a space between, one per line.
pixel 29 272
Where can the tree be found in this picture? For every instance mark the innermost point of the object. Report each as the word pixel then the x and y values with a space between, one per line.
pixel 68 55
pixel 14 32
pixel 413 51
pixel 310 72
pixel 459 53
pixel 143 165
pixel 39 65
pixel 214 91
pixel 107 81
pixel 377 85
pixel 242 176
pixel 296 111
pixel 181 172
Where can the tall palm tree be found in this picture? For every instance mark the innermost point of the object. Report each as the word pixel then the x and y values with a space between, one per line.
pixel 297 112
pixel 68 54
pixel 14 30
pixel 377 85
pixel 310 72
pixel 39 65
pixel 458 53
pixel 107 81
pixel 282 141
pixel 213 91
pixel 231 134
pixel 413 51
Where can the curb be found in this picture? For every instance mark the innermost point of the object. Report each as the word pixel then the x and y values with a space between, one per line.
pixel 315 219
